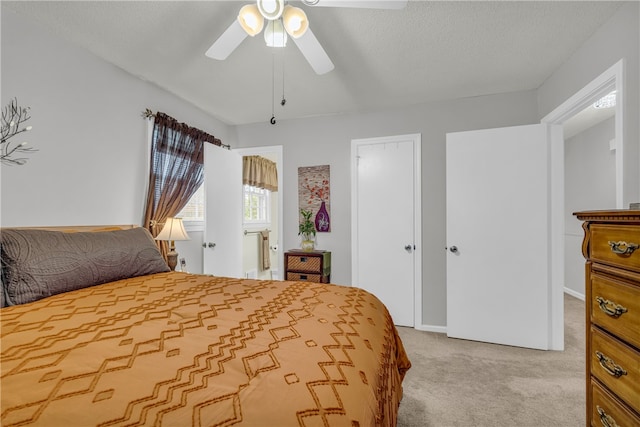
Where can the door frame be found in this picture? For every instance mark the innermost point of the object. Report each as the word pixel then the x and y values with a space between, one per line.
pixel 612 78
pixel 417 214
pixel 278 150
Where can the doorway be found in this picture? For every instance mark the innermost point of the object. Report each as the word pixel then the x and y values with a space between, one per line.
pixel 567 115
pixel 386 220
pixel 589 148
pixel 251 235
pixel 224 233
pixel 612 79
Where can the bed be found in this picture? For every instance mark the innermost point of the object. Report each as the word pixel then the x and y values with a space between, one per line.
pixel 95 330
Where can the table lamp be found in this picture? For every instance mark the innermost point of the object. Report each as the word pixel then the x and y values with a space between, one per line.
pixel 173 230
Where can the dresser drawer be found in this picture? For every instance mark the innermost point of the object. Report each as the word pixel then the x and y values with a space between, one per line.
pixel 307 277
pixel 613 244
pixel 606 410
pixel 615 306
pixel 617 366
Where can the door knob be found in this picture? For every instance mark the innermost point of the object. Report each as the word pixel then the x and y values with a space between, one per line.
pixel 208 245
pixel 409 247
pixel 453 249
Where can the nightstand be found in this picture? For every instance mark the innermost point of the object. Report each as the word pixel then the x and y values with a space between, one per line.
pixel 310 266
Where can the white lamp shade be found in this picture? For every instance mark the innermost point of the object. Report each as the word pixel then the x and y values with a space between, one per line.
pixel 274 34
pixel 173 230
pixel 250 19
pixel 295 21
pixel 271 9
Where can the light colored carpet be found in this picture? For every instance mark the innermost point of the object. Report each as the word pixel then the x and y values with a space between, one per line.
pixel 459 383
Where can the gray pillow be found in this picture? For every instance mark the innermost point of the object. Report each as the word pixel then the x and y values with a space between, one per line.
pixel 3 303
pixel 40 263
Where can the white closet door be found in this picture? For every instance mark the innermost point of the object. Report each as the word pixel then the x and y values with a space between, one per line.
pixel 385 222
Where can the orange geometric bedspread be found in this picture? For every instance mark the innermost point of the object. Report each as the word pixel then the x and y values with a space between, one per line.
pixel 175 349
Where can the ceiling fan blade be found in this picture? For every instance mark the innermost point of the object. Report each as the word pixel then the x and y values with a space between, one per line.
pixel 367 4
pixel 314 53
pixel 227 42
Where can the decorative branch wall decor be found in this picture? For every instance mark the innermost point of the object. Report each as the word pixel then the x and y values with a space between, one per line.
pixel 13 119
pixel 314 194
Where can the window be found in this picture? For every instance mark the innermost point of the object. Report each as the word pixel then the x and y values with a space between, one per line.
pixel 193 213
pixel 172 164
pixel 257 205
pixel 257 208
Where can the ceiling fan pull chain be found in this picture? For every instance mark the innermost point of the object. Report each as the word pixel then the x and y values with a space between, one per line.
pixel 273 89
pixel 284 101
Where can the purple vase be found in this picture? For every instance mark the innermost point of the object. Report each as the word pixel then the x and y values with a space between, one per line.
pixel 323 222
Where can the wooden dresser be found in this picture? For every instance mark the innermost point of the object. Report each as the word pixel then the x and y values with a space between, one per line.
pixel 310 266
pixel 612 301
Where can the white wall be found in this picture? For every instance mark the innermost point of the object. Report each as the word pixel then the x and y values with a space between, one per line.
pixel 617 38
pixel 590 183
pixel 191 251
pixel 87 126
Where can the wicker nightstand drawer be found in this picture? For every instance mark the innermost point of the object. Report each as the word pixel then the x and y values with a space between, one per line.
pixel 312 266
pixel 307 277
pixel 304 263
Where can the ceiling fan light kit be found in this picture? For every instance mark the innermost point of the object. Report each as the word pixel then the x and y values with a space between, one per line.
pixel 291 19
pixel 283 19
pixel 274 34
pixel 295 21
pixel 271 9
pixel 250 19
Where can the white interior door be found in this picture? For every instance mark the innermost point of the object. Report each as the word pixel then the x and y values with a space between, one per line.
pixel 385 222
pixel 501 232
pixel 223 222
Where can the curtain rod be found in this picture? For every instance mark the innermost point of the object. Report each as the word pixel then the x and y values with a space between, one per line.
pixel 147 114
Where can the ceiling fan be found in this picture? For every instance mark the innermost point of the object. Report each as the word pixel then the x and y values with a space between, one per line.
pixel 283 19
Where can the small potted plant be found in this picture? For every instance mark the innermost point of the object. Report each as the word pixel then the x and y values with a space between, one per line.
pixel 307 229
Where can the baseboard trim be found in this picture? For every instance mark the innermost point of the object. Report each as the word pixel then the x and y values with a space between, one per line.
pixel 431 328
pixel 574 293
pixel 443 329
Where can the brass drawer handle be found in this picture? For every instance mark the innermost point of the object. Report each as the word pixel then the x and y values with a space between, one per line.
pixel 623 248
pixel 610 307
pixel 610 366
pixel 606 419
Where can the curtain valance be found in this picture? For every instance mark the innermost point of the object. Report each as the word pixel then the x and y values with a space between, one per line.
pixel 260 172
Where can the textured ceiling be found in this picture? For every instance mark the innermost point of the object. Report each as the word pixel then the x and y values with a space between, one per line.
pixel 426 52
